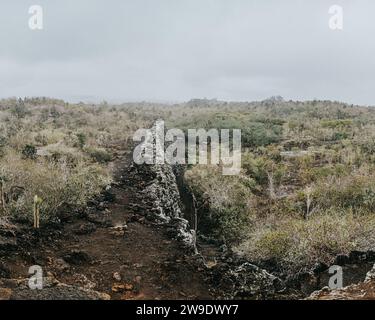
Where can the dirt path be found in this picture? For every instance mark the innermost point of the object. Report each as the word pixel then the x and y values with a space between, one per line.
pixel 118 252
pixel 150 264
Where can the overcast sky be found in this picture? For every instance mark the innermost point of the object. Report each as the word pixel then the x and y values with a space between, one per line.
pixel 175 50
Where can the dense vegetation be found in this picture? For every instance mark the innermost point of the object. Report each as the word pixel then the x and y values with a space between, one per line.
pixel 306 191
pixel 58 152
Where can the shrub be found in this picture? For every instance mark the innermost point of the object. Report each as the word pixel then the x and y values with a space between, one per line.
pixel 349 192
pixel 297 243
pixel 29 152
pixel 63 188
pixel 19 109
pixel 225 202
pixel 81 139
pixel 98 154
pixel 261 134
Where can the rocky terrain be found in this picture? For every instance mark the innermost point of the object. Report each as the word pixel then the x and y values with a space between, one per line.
pixel 360 291
pixel 136 241
pixel 131 243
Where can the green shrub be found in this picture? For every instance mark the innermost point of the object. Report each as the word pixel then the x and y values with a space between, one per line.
pixel 29 152
pixel 81 139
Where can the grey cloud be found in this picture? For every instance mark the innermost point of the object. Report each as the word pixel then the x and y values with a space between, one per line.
pixel 171 50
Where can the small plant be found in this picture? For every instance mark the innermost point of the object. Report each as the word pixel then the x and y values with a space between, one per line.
pixel 19 109
pixel 2 197
pixel 29 152
pixel 81 140
pixel 37 202
pixel 98 154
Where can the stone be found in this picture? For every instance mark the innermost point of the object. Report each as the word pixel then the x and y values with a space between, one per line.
pixel 342 260
pixel 119 230
pixel 370 276
pixel 85 228
pixel 129 287
pixel 108 194
pixel 7 244
pixel 118 287
pixel 250 282
pixel 357 256
pixel 99 219
pixel 77 257
pixel 61 265
pixel 116 276
pixel 4 271
pixel 319 267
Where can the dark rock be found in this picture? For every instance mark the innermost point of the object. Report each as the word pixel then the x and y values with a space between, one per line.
pixel 370 256
pixel 77 257
pixel 357 256
pixel 99 219
pixel 102 206
pixel 4 271
pixel 7 244
pixel 135 218
pixel 305 282
pixel 37 258
pixel 319 267
pixel 342 260
pixel 64 216
pixel 61 265
pixel 7 229
pixel 85 228
pixel 108 195
pixel 308 282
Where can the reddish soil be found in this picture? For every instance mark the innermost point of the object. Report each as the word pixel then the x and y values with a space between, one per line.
pixel 146 263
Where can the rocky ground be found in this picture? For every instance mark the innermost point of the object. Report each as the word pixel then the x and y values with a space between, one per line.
pixel 133 242
pixel 112 251
pixel 361 291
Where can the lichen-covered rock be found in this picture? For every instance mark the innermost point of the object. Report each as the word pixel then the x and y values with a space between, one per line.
pixel 179 229
pixel 162 195
pixel 159 196
pixel 248 281
pixel 370 275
